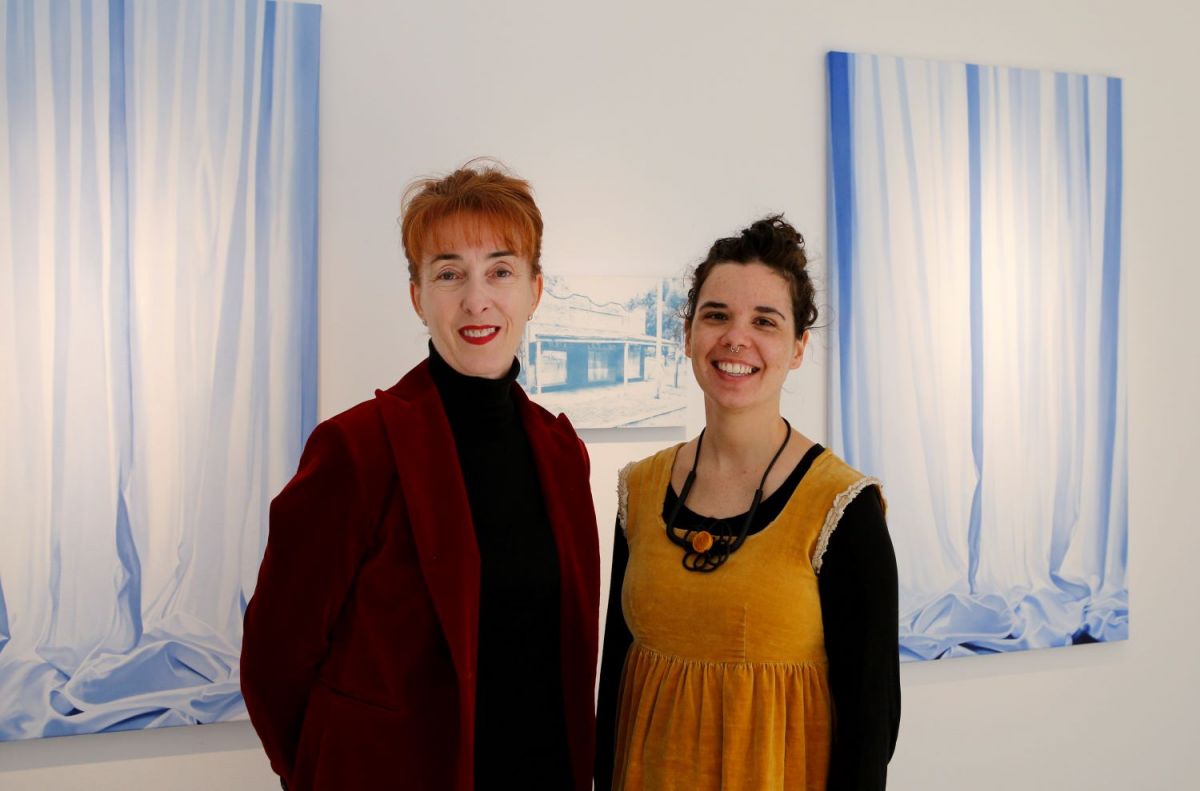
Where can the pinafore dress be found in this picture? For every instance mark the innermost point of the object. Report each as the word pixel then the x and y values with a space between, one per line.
pixel 726 683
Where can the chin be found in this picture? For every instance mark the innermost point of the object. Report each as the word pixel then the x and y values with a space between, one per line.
pixel 728 397
pixel 491 366
pixel 733 404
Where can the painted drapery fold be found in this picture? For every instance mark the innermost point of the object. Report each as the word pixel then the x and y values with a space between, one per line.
pixel 976 345
pixel 157 374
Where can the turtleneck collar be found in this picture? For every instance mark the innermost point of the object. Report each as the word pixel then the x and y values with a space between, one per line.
pixel 472 400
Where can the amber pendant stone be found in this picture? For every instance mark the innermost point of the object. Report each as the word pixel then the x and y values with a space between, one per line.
pixel 702 541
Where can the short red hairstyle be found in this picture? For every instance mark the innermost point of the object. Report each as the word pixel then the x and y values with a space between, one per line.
pixel 483 192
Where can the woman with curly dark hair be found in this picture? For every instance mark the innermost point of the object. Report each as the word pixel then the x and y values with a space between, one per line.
pixel 752 630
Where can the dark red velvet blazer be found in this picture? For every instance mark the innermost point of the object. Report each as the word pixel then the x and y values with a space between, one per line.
pixel 360 644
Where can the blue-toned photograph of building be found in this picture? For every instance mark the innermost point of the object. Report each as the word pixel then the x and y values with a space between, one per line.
pixel 608 352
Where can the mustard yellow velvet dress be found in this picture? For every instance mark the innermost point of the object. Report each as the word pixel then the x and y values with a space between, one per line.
pixel 725 685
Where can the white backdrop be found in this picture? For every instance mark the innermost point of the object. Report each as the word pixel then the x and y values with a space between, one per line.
pixel 650 128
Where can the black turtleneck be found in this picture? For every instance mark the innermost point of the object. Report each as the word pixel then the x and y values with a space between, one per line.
pixel 520 727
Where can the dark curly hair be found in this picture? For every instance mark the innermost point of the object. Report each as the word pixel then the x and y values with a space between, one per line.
pixel 771 241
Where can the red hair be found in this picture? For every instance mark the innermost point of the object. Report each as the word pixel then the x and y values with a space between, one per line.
pixel 482 192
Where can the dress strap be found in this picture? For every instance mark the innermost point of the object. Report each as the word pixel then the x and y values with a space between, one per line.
pixel 641 483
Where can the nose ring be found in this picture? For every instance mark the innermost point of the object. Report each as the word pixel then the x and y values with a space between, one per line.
pixel 736 349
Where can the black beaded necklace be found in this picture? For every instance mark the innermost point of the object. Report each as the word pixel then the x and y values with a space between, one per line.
pixel 703 551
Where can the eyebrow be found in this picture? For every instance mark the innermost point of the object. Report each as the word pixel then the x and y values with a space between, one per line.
pixel 757 308
pixel 457 257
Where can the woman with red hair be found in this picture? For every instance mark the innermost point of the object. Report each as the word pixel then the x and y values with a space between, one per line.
pixel 426 610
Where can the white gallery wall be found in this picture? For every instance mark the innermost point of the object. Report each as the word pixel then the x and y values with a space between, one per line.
pixel 648 129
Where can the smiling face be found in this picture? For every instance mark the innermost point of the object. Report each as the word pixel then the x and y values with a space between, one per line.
pixel 475 293
pixel 742 340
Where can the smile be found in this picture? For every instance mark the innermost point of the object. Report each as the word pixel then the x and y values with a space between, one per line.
pixel 478 335
pixel 735 369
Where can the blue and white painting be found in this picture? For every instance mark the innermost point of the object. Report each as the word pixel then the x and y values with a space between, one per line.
pixel 158 183
pixel 978 351
pixel 608 351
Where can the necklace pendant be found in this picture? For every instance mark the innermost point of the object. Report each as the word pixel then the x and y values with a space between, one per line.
pixel 698 554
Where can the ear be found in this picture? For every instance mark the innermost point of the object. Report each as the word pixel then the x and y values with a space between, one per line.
pixel 687 339
pixel 798 357
pixel 414 293
pixel 538 284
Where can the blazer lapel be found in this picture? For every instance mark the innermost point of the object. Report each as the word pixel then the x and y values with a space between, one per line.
pixel 435 497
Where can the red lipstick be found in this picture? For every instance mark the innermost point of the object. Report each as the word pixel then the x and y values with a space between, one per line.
pixel 478 334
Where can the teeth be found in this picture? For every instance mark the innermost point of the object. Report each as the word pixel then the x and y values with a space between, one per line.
pixel 735 369
pixel 479 333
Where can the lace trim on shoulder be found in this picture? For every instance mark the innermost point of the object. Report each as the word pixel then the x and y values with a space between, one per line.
pixel 623 494
pixel 835 515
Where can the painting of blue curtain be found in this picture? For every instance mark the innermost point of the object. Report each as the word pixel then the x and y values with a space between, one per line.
pixel 158 181
pixel 977 346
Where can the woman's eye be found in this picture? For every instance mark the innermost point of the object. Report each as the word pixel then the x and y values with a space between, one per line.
pixel 764 322
pixel 715 315
pixel 503 273
pixel 446 274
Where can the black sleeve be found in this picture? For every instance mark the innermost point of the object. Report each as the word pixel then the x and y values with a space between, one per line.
pixel 617 639
pixel 859 607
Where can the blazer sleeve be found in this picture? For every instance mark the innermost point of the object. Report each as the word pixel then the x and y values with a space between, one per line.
pixel 320 532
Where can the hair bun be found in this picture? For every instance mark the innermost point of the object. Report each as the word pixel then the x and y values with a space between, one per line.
pixel 776 237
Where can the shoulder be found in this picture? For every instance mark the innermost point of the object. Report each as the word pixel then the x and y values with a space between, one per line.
pixel 359 429
pixel 415 390
pixel 859 553
pixel 364 427
pixel 360 421
pixel 839 481
pixel 358 436
pixel 636 472
pixel 832 472
pixel 843 486
pixel 634 475
pixel 347 452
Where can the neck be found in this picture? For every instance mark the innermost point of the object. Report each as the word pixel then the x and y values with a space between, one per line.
pixel 472 401
pixel 742 439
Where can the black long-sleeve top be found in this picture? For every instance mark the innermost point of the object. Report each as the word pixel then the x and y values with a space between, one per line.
pixel 520 725
pixel 859 602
